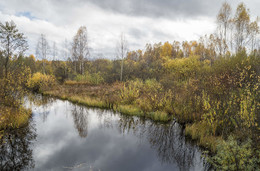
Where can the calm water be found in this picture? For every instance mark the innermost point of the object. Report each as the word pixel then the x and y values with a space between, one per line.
pixel 65 136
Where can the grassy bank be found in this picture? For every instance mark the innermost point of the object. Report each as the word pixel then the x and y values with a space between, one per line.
pixel 104 96
pixel 107 96
pixel 199 133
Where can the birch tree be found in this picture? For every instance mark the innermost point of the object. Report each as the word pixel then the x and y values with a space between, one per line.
pixel 223 24
pixel 42 50
pixel 80 49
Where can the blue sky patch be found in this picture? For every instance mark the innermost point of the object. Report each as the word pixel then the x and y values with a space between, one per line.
pixel 26 14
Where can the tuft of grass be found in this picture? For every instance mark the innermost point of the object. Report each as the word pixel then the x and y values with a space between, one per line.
pixel 159 116
pixel 92 102
pixel 201 133
pixel 130 110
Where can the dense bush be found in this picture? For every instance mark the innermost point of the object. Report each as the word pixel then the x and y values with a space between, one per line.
pixel 232 155
pixel 147 95
pixel 94 78
pixel 39 81
pixel 12 87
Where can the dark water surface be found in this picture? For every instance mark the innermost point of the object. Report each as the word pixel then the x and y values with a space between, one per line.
pixel 65 136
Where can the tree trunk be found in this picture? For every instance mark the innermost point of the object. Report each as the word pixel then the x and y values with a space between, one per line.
pixel 121 74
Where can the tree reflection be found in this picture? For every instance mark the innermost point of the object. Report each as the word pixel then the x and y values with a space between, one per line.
pixel 15 149
pixel 171 146
pixel 105 118
pixel 167 139
pixel 80 117
pixel 39 100
pixel 43 102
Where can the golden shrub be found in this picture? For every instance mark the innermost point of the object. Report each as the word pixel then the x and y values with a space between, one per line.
pixel 39 81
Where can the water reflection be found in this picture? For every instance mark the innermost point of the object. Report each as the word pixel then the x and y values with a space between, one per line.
pixel 43 103
pixel 80 117
pixel 79 138
pixel 167 139
pixel 171 146
pixel 15 149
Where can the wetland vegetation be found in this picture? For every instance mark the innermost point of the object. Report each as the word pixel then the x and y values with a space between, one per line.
pixel 174 93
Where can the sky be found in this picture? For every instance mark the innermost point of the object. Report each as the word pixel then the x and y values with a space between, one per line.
pixel 141 21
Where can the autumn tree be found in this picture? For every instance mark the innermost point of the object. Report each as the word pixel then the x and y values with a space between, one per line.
pixel 12 46
pixel 80 49
pixel 241 23
pixel 223 24
pixel 245 31
pixel 166 50
pixel 186 49
pixel 254 31
pixel 12 43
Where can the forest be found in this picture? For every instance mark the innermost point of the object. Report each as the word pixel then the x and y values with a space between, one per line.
pixel 211 86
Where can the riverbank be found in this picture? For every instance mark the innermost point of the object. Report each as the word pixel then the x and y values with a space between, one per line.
pixel 103 96
pixel 108 97
pixel 126 99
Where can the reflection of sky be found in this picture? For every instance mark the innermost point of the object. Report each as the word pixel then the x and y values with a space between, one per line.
pixel 59 146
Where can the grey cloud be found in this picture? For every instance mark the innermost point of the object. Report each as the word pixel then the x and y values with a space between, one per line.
pixel 158 8
pixel 143 21
pixel 137 33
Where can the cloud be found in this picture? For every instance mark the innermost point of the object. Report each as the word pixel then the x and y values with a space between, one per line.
pixel 143 21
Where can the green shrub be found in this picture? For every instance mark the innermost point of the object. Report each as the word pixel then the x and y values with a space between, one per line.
pixel 234 156
pixel 130 91
pixel 95 78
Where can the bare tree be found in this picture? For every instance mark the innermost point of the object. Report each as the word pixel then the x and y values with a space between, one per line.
pixel 42 50
pixel 11 42
pixel 65 50
pixel 122 52
pixel 54 51
pixel 80 49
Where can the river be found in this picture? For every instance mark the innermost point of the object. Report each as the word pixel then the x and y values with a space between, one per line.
pixel 65 136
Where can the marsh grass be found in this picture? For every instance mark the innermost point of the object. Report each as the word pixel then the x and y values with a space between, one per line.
pixel 90 99
pixel 201 133
pixel 160 116
pixel 129 110
pixel 92 102
pixel 83 100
